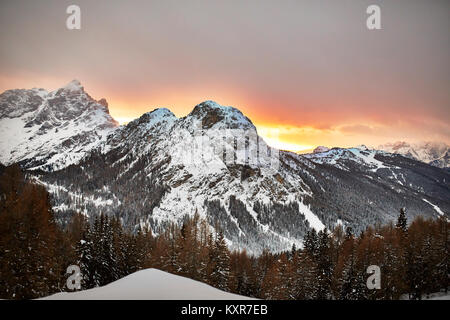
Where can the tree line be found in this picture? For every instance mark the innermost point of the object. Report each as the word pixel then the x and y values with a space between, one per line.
pixel 35 252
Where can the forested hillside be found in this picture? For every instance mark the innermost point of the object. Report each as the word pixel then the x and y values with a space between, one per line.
pixel 35 252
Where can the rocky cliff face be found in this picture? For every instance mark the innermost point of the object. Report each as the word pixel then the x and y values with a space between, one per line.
pixel 50 130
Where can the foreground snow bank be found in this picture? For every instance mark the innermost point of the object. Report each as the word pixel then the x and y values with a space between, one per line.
pixel 440 297
pixel 150 284
pixel 431 296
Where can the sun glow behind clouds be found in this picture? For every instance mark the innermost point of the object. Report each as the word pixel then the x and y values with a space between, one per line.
pixel 284 145
pixel 124 120
pixel 272 136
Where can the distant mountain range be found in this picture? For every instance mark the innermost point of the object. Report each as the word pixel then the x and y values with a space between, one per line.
pixel 159 169
pixel 435 153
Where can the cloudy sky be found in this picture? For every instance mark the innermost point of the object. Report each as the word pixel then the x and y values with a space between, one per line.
pixel 307 73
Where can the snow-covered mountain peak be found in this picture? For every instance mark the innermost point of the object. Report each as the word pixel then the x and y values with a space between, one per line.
pixel 349 158
pixel 434 153
pixel 161 113
pixel 362 147
pixel 321 149
pixel 211 115
pixel 104 103
pixel 159 168
pixel 51 130
pixel 73 85
pixel 154 120
pixel 40 92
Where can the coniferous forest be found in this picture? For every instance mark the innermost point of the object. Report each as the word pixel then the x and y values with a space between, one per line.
pixel 35 252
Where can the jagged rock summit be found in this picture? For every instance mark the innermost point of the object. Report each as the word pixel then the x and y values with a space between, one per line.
pixel 51 130
pixel 321 149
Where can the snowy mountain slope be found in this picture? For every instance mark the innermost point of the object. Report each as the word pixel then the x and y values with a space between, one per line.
pixel 49 131
pixel 430 296
pixel 150 284
pixel 398 173
pixel 159 168
pixel 194 164
pixel 339 157
pixel 434 153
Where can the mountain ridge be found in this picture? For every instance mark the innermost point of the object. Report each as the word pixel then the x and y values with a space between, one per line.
pixel 431 152
pixel 158 169
pixel 38 126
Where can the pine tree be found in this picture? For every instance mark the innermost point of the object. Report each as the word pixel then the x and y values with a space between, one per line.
pixel 347 277
pixel 311 242
pixel 270 284
pixel 284 288
pixel 84 251
pixel 402 223
pixel 305 277
pixel 324 266
pixel 242 274
pixel 220 263
pixel 28 236
pixel 441 254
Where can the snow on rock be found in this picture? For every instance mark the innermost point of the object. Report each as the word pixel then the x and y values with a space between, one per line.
pixel 367 157
pixel 435 207
pixel 74 85
pixel 211 162
pixel 150 284
pixel 313 220
pixel 321 149
pixel 50 131
pixel 438 296
pixel 209 114
pixel 434 153
pixel 430 296
pixel 340 157
pixel 362 147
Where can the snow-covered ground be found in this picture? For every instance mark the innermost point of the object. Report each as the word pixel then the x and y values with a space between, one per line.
pixel 150 284
pixel 439 297
pixel 431 296
pixel 435 207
